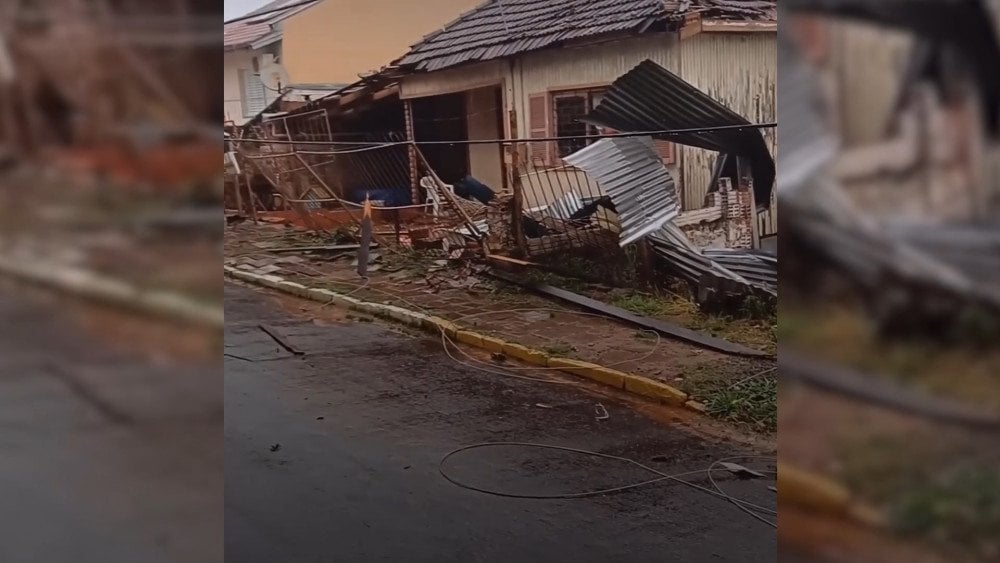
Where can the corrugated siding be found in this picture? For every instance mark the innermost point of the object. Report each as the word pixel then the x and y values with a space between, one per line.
pixel 739 70
pixel 867 61
pixel 587 66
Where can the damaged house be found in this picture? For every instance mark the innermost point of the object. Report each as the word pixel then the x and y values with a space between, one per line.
pixel 535 69
pixel 489 115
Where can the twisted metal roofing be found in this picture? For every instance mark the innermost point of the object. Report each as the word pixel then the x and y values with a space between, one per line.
pixel 651 98
pixel 630 171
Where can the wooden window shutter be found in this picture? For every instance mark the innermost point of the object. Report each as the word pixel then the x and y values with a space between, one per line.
pixel 538 124
pixel 666 150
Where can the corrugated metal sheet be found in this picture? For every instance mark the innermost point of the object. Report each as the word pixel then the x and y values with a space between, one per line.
pixel 678 255
pixel 755 267
pixel 740 72
pixel 631 172
pixel 500 29
pixel 651 98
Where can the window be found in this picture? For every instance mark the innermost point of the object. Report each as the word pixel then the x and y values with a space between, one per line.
pixel 559 114
pixel 254 93
pixel 568 109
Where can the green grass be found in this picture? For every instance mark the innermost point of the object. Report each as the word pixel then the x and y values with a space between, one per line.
pixel 641 304
pixel 961 507
pixel 931 488
pixel 755 327
pixel 753 403
pixel 742 392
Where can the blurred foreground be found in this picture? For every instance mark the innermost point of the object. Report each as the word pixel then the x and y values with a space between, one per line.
pixel 889 270
pixel 110 282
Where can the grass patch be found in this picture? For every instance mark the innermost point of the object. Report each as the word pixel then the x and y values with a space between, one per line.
pixel 742 392
pixel 757 328
pixel 961 507
pixel 641 304
pixel 753 403
pixel 930 489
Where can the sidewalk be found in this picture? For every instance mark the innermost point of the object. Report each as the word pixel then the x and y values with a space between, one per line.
pixel 499 310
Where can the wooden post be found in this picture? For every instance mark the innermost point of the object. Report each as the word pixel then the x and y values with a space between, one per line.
pixel 239 195
pixel 411 152
pixel 517 206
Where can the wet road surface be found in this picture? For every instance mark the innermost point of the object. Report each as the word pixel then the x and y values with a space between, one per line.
pixel 334 456
pixel 104 456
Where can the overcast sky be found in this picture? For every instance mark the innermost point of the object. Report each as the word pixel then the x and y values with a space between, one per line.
pixel 236 8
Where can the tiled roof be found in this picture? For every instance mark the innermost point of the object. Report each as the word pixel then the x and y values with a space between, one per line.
pixel 258 23
pixel 502 28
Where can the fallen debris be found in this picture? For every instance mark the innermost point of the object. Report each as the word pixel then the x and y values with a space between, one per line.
pixel 659 326
pixel 281 340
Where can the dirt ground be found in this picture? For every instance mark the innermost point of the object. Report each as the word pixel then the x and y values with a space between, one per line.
pixel 457 292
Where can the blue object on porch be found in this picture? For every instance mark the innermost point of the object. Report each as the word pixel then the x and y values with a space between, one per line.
pixel 471 188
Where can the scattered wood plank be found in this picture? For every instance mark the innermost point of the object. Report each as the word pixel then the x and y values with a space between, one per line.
pixel 270 331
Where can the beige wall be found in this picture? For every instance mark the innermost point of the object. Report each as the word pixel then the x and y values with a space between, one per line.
pixel 242 60
pixel 484 123
pixel 336 40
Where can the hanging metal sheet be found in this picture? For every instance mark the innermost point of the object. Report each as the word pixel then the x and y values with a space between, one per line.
pixel 630 171
pixel 651 98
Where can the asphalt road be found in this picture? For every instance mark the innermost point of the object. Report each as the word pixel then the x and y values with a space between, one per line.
pixel 334 456
pixel 105 457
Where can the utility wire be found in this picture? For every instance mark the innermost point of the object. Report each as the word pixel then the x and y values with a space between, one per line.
pixel 657 133
pixel 750 508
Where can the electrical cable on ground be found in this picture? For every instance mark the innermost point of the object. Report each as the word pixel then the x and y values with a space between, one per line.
pixel 754 510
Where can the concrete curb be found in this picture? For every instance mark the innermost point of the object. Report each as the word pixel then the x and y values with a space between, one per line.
pixel 94 287
pixel 818 493
pixel 635 384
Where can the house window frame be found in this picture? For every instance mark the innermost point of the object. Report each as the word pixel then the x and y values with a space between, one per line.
pixel 590 92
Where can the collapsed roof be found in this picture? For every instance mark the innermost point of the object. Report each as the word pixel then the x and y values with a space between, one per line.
pixel 651 98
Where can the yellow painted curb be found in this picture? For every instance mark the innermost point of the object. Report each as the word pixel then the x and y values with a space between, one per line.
pixel 811 491
pixel 470 338
pixel 635 384
pixel 696 406
pixel 590 371
pixel 491 344
pixel 655 390
pixel 822 494
pixel 525 354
